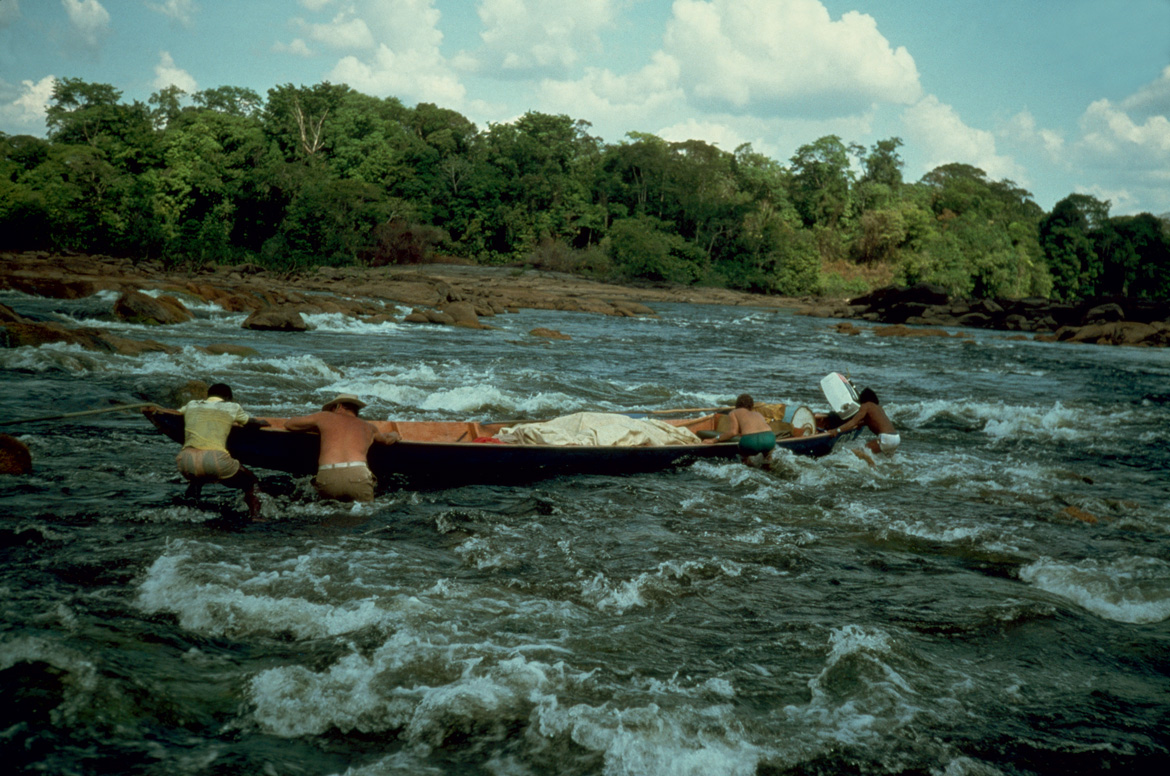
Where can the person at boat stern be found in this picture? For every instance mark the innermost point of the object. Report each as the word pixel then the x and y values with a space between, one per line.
pixel 873 417
pixel 204 458
pixel 343 473
pixel 755 435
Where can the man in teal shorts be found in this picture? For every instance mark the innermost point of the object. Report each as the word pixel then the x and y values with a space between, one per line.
pixel 755 435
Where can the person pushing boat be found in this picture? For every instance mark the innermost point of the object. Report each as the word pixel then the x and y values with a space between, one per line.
pixel 204 458
pixel 755 435
pixel 343 472
pixel 873 417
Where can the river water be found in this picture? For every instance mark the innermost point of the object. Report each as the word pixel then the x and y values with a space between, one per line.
pixel 994 599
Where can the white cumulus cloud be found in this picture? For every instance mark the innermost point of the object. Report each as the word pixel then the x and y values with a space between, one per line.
pixel 619 100
pixel 90 20
pixel 26 113
pixel 296 47
pixel 343 32
pixel 415 74
pixel 941 137
pixel 182 11
pixel 167 73
pixel 542 36
pixel 790 55
pixel 1111 133
pixel 1151 100
pixel 392 48
pixel 1022 130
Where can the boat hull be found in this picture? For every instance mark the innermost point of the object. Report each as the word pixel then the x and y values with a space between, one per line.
pixel 445 462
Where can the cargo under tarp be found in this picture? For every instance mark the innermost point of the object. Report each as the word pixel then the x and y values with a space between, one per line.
pixel 598 429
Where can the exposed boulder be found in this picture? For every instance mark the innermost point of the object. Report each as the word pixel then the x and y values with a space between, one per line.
pixel 220 349
pixel 463 314
pixel 899 330
pixel 14 456
pixel 1116 333
pixel 137 307
pixel 1105 313
pixel 275 319
pixel 52 287
pixel 549 334
pixel 439 317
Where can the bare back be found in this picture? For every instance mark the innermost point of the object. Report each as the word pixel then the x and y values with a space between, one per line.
pixel 344 437
pixel 745 421
pixel 875 419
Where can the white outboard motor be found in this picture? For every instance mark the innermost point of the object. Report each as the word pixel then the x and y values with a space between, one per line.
pixel 841 394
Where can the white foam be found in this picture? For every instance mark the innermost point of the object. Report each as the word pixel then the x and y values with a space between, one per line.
pixel 647 739
pixel 1131 589
pixel 642 590
pixel 340 323
pixel 221 598
pixel 858 696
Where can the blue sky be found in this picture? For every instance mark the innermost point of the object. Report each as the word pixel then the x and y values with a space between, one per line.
pixel 1059 96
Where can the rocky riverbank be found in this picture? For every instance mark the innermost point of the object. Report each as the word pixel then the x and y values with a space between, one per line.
pixel 470 296
pixel 913 311
pixel 436 294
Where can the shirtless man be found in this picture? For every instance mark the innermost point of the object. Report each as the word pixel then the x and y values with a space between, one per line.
pixel 342 470
pixel 204 457
pixel 873 417
pixel 755 435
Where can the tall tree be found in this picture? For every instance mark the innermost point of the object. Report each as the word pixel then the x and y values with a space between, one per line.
pixel 1066 238
pixel 821 182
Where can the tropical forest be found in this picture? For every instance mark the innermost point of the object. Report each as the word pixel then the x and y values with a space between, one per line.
pixel 326 175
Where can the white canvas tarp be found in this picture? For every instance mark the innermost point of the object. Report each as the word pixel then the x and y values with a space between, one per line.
pixel 598 428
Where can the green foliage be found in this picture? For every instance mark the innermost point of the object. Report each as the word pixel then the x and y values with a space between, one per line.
pixel 326 174
pixel 821 182
pixel 645 247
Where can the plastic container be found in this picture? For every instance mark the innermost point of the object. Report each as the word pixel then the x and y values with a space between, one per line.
pixel 841 394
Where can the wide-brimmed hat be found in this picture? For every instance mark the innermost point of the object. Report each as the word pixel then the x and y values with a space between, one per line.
pixel 344 398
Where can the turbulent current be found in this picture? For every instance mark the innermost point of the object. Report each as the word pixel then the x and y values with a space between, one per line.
pixel 993 599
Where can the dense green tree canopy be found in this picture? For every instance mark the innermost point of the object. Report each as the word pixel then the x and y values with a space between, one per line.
pixel 324 174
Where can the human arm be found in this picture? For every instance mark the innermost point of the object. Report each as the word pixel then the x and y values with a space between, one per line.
pixel 731 432
pixel 303 423
pixel 855 421
pixel 387 439
pixel 154 409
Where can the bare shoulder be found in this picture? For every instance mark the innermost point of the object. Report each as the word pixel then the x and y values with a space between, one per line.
pixel 304 422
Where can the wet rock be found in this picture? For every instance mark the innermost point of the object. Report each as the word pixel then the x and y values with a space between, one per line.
pixel 549 334
pixel 462 314
pixel 908 331
pixel 14 456
pixel 275 319
pixel 1079 514
pixel 1105 313
pixel 137 307
pixel 51 287
pixel 633 309
pixel 219 349
pixel 1115 333
pixel 439 317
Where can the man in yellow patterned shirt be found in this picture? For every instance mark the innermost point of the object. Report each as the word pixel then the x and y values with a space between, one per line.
pixel 204 457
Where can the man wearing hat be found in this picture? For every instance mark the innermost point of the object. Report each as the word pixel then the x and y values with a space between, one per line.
pixel 342 471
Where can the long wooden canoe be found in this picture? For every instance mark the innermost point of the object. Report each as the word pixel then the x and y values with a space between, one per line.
pixel 445 451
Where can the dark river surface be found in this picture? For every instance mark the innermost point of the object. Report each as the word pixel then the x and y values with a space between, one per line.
pixel 994 599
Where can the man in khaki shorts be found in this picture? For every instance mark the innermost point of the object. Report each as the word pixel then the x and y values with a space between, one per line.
pixel 342 470
pixel 204 458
